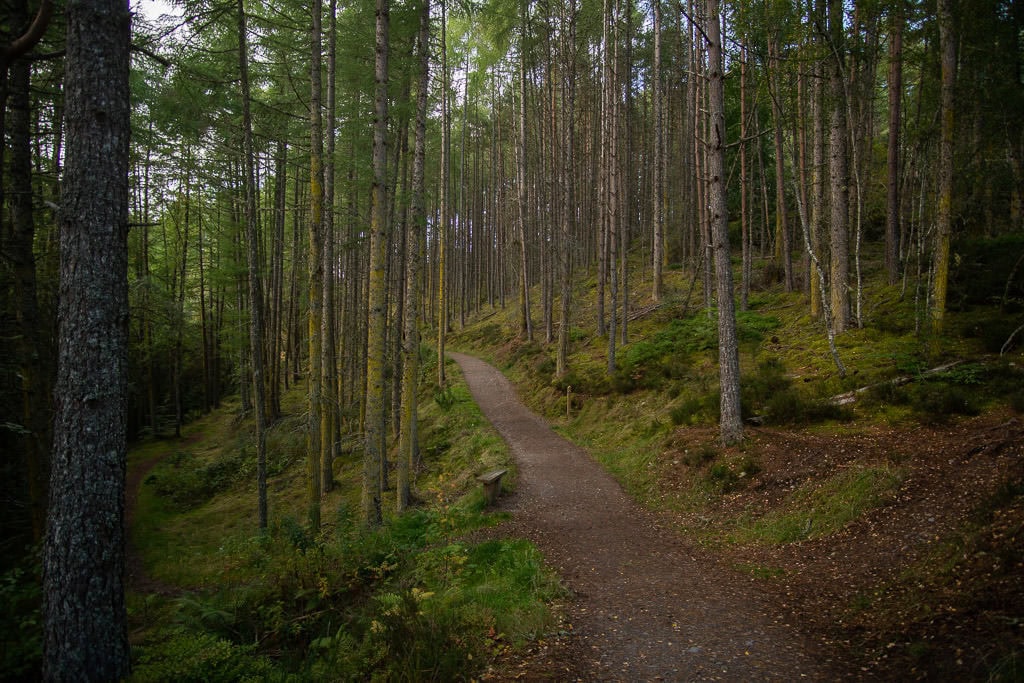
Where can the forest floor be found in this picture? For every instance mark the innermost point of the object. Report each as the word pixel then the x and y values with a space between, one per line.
pixel 926 584
pixel 137 578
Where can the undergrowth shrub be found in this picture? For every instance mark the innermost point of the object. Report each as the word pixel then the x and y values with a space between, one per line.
pixel 688 411
pixel 770 391
pixel 21 628
pixel 185 484
pixel 190 656
pixel 791 407
pixel 936 402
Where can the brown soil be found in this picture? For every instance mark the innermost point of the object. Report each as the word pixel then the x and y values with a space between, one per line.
pixel 928 585
pixel 647 603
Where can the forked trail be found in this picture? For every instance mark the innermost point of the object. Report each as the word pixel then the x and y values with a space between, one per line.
pixel 647 606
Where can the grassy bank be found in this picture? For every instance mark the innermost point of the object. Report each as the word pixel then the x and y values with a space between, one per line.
pixel 409 601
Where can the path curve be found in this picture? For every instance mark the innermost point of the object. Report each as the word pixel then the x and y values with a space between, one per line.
pixel 647 605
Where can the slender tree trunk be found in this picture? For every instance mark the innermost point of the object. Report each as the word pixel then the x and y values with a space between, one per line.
pixel 818 169
pixel 611 117
pixel 783 248
pixel 85 632
pixel 744 182
pixel 626 178
pixel 329 403
pixel 314 443
pixel 277 294
pixel 442 228
pixel 944 214
pixel 35 363
pixel 658 161
pixel 894 86
pixel 375 354
pixel 567 47
pixel 525 321
pixel 603 171
pixel 838 175
pixel 407 446
pixel 731 423
pixel 255 283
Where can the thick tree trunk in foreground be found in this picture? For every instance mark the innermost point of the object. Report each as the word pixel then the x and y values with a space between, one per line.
pixel 85 636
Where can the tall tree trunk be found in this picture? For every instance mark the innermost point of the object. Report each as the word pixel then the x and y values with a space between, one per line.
pixel 603 171
pixel 85 622
pixel 407 444
pixel 255 284
pixel 895 87
pixel 818 170
pixel 442 228
pixel 612 171
pixel 525 317
pixel 314 443
pixel 330 403
pixel 278 322
pixel 944 214
pixel 744 189
pixel 783 248
pixel 731 423
pixel 373 452
pixel 839 237
pixel 567 48
pixel 35 363
pixel 658 161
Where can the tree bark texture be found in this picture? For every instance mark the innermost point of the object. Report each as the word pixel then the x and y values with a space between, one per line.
pixel 944 215
pixel 839 238
pixel 895 88
pixel 85 633
pixel 731 424
pixel 408 436
pixel 373 453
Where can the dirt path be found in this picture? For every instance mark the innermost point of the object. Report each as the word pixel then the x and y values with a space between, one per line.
pixel 647 606
pixel 136 578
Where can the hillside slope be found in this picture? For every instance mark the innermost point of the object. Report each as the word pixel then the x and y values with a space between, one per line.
pixel 890 527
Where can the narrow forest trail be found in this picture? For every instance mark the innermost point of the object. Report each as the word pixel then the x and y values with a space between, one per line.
pixel 646 605
pixel 136 577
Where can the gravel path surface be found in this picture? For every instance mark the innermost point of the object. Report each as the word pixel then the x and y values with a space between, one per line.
pixel 646 604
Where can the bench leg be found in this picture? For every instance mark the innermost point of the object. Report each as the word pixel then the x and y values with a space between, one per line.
pixel 491 491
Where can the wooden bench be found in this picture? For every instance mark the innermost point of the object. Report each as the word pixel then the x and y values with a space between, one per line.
pixel 492 485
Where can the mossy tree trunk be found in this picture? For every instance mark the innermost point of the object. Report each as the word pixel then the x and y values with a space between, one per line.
pixel 373 453
pixel 944 215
